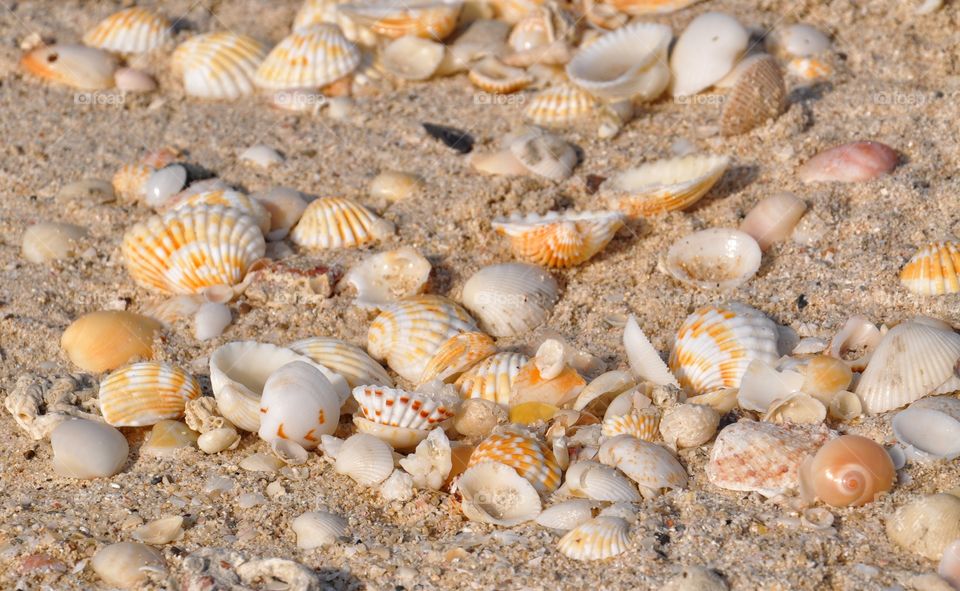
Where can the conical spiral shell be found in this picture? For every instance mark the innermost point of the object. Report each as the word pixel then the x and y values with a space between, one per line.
pixel 933 270
pixel 146 393
pixel 665 185
pixel 600 538
pixel 530 457
pixel 218 65
pixel 133 30
pixel 492 379
pixel 335 222
pixel 350 361
pixel 308 58
pixel 559 239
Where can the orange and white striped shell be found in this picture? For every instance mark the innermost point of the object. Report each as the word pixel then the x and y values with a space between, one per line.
pixel 429 19
pixel 650 465
pixel 933 270
pixel 493 76
pixel 308 58
pixel 218 65
pixel 399 408
pixel 642 423
pixel 715 345
pixel 458 354
pixel 130 181
pixel 132 30
pixel 350 361
pixel 560 105
pixel 559 239
pixel 492 378
pixel 313 12
pixel 226 197
pixel 530 457
pixel 337 222
pixel 602 537
pixel 191 249
pixel 665 185
pixel 145 393
pixel 76 66
pixel 645 7
pixel 409 333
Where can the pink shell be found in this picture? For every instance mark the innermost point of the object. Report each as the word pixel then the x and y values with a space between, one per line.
pixel 849 163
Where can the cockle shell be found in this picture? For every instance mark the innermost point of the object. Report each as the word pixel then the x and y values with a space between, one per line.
pixel 125 565
pixel 493 76
pixel 849 471
pixel 130 181
pixel 665 185
pixel 567 514
pixel 492 378
pixel 689 425
pixel 758 95
pixel 219 65
pixel 349 361
pixel 850 163
pixel 933 270
pixel 225 197
pixel 336 222
pixel 430 19
pixel 494 493
pixel 629 63
pixel 926 525
pixel 144 393
pixel 298 404
pixel 365 458
pixel 412 58
pixel 132 30
pixel 600 538
pixel 641 423
pixel 715 258
pixel 318 528
pixel 409 333
pixel 559 105
pixel 399 408
pixel 559 239
pixel 705 52
pixel 598 482
pixel 105 340
pixel 308 58
pixel 383 279
pixel 87 449
pixel 458 354
pixel 773 218
pixel 530 457
pixel 651 466
pixel 77 66
pixel 510 299
pixel 192 249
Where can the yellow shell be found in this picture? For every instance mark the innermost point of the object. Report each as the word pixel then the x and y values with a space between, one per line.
pixel 133 30
pixel 492 378
pixel 308 58
pixel 218 65
pixel 430 19
pixel 758 95
pixel 602 537
pixel 530 457
pixel 665 185
pixel 350 361
pixel 458 354
pixel 560 105
pixel 493 76
pixel 933 270
pixel 336 222
pixel 146 393
pixel 644 7
pixel 101 341
pixel 642 423
pixel 559 239
pixel 191 249
pixel 225 197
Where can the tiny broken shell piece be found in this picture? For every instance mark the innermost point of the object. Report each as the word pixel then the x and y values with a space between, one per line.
pixel 318 528
pixel 49 241
pixel 722 401
pixel 845 406
pixel 431 463
pixel 598 539
pixel 159 531
pixel 218 440
pixel 494 493
pixel 645 360
pixel 850 163
pixel 393 186
pixel 529 385
pixel 716 258
pixel 384 278
pixel 650 465
pixel 478 417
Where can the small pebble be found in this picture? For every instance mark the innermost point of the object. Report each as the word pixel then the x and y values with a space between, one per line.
pixel 87 449
pixel 261 155
pixel 160 531
pixel 87 191
pixel 249 500
pixel 216 484
pixel 167 437
pixel 218 440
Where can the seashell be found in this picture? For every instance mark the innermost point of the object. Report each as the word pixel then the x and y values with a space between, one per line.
pixel 412 58
pixel 911 361
pixel 127 564
pixel 689 425
pixel 949 567
pixel 402 410
pixel 458 354
pixel 335 222
pixel 857 333
pixel 167 437
pixel 132 30
pixel 530 385
pixel 430 19
pixel 133 80
pixel 210 320
pixel 160 531
pixel 773 218
pixel 927 525
pixel 87 449
pixel 597 482
pixel 705 52
pixel 478 417
pixel 314 12
pixel 762 457
pixel 758 95
pixel 722 401
pixel 364 458
pixel 261 155
pixel 927 434
pixel 810 68
pixel 300 404
pixel 641 423
pixel 566 515
pixel 218 440
pixel 409 333
pixel 849 163
pixel 849 471
pixel 492 378
pixel 483 37
pixel 559 240
pixel 493 76
pixel 645 361
pixel 532 413
pixel 510 299
pixel 192 249
pixel 163 184
pixel 318 528
pixel 543 154
pixel 824 376
pixel 87 191
pixel 393 186
pixel 798 40
pixel 559 105
pixel 665 185
pixel 285 207
pixel 762 386
pixel 431 463
pixel 598 539
pixel 46 242
pixel 716 258
pixel 645 7
pixel 131 180
pixel 628 63
pixel 715 345
pixel 530 457
pixel 349 361
pixel 385 278
pixel 145 393
pixel 651 466
pixel 77 66
pixel 845 406
pixel 261 463
pixel 105 340
pixel 219 65
pixel 598 395
pixel 695 578
pixel 798 408
pixel 494 493
pixel 933 270
pixel 308 58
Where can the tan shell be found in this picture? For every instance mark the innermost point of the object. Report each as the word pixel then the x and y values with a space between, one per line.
pixel 336 222
pixel 105 340
pixel 925 526
pixel 665 185
pixel 458 354
pixel 689 425
pixel 560 105
pixel 758 96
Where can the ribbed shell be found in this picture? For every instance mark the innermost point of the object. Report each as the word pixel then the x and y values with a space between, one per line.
pixel 715 345
pixel 599 482
pixel 493 76
pixel 313 12
pixel 399 408
pixel 146 393
pixel 600 538
pixel 933 270
pixel 188 250
pixel 133 30
pixel 409 333
pixel 530 457
pixel 430 19
pixel 365 458
pixel 559 105
pixel 641 423
pixel 758 95
pixel 559 239
pixel 650 465
pixel 226 198
pixel 458 354
pixel 492 378
pixel 350 361
pixel 336 222
pixel 628 63
pixel 130 182
pixel 643 7
pixel 218 65
pixel 308 58
pixel 665 185
pixel 510 299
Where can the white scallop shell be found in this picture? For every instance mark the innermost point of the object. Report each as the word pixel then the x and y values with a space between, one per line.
pixel 492 378
pixel 132 30
pixel 308 58
pixel 510 299
pixel 350 361
pixel 495 493
pixel 318 528
pixel 645 360
pixel 706 51
pixel 365 458
pixel 598 482
pixel 382 279
pixel 716 258
pixel 300 404
pixel 650 465
pixel 630 62
pixel 600 538
pixel 218 65
pixel 567 514
pixel 335 222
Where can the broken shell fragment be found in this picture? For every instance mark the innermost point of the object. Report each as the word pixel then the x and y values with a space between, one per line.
pixel 494 493
pixel 773 218
pixel 544 154
pixel 650 465
pixel 46 242
pixel 430 465
pixel 383 279
pixel 160 531
pixel 716 258
pixel 798 408
pixel 318 528
pixel 86 68
pixel 458 354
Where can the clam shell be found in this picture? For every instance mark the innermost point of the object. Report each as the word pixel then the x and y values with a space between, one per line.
pixel 927 434
pixel 645 361
pixel 495 493
pixel 566 515
pixel 144 393
pixel 773 219
pixel 858 332
pixel 597 396
pixel 651 466
pixel 222 196
pixel 629 63
pixel 705 52
pixel 529 456
pixel 598 539
pixel 132 30
pixel 219 65
pixel 689 425
pixel 86 68
pixel 758 96
pixel 714 346
pixel 335 222
pixel 927 525
pixel 401 439
pixel 716 258
pixel 798 40
pixel 933 270
pixel 192 249
pixel 105 340
pixel 87 449
pixel 412 58
pixel 850 163
pixel 557 239
pixel 45 242
pixel 383 279
pixel 645 7
pixel 492 378
pixel 510 299
pixel 458 354
pixel 598 482
pixel 125 565
pixel 641 423
pixel 430 19
pixel 318 528
pixel 798 408
pixel 544 154
pixel 365 458
pixel 409 333
pixel 298 404
pixel 349 361
pixel 559 105
pixel 665 185
pixel 308 58
pixel 399 408
pixel 493 76
pixel 160 531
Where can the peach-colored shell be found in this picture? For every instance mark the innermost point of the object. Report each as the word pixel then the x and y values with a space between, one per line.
pixel 336 222
pixel 429 19
pixel 492 378
pixel 458 354
pixel 933 270
pixel 308 58
pixel 850 163
pixel 146 393
pixel 133 30
pixel 530 457
pixel 559 239
pixel 218 65
pixel 130 181
pixel 398 408
pixel 74 65
pixel 644 7
pixel 850 471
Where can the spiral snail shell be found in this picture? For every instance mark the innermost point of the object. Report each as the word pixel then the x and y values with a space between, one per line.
pixel 849 471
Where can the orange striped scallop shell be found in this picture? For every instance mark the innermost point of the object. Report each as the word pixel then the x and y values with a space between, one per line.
pixel 398 408
pixel 492 378
pixel 308 58
pixel 146 393
pixel 226 197
pixel 218 65
pixel 645 7
pixel 458 354
pixel 133 30
pixel 530 457
pixel 430 19
pixel 336 222
pixel 559 239
pixel 933 270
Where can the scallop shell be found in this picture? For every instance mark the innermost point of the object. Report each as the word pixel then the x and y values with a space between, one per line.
pixel 318 528
pixel 364 458
pixel 706 51
pixel 933 270
pixel 530 457
pixel 645 7
pixel 651 466
pixel 314 12
pixel 598 482
pixel 430 19
pixel 77 66
pixel 492 379
pixel 144 393
pixel 559 239
pixel 383 279
pixel 219 65
pixel 458 354
pixel 308 58
pixel 629 63
pixel 758 95
pixel 510 299
pixel 559 105
pixel 130 181
pixel 715 345
pixel 192 249
pixel 493 76
pixel 566 515
pixel 927 525
pixel 349 361
pixel 222 196
pixel 399 408
pixel 495 493
pixel 716 258
pixel 299 404
pixel 665 185
pixel 543 154
pixel 409 333
pixel 133 30
pixel 640 423
pixel 850 163
pixel 336 222
pixel 598 539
